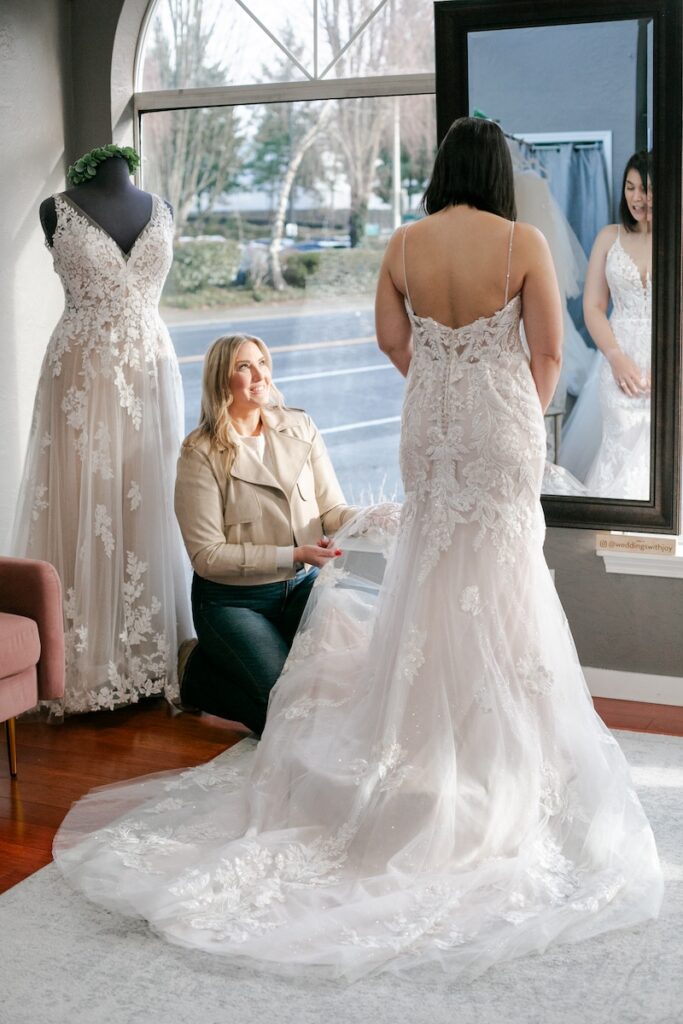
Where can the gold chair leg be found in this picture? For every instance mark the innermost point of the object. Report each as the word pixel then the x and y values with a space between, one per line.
pixel 10 729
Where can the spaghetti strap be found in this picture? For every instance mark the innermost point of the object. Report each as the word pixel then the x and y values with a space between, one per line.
pixel 507 276
pixel 405 276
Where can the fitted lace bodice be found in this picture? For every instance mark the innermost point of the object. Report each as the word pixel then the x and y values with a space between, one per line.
pixel 102 283
pixel 487 337
pixel 470 405
pixel 631 299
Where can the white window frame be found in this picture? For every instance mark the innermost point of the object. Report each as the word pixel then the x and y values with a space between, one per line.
pixel 278 92
pixel 313 87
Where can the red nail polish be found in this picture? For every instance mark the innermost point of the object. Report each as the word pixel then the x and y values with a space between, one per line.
pixel 338 552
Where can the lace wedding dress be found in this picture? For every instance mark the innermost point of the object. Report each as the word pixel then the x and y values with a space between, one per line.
pixel 433 786
pixel 97 493
pixel 621 467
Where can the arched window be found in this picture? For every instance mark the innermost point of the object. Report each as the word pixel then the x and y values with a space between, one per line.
pixel 291 138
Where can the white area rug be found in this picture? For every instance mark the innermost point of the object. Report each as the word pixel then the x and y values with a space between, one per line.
pixel 65 961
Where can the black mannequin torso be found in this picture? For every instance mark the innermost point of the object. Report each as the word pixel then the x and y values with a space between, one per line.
pixel 111 200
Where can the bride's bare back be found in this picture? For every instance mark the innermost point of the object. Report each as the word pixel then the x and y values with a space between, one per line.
pixel 454 267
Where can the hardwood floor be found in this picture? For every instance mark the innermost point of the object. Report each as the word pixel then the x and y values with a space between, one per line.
pixel 59 763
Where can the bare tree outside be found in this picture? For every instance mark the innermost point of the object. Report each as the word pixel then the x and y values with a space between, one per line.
pixel 358 124
pixel 196 152
pixel 299 150
pixel 361 125
pixel 418 146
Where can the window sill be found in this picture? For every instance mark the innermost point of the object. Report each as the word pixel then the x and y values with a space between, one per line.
pixel 637 563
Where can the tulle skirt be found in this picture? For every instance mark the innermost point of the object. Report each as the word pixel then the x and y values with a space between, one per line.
pixel 97 501
pixel 433 787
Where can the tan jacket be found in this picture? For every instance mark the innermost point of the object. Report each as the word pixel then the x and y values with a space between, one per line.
pixel 233 523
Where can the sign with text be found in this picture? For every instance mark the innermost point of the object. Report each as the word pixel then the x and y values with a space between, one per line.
pixel 640 545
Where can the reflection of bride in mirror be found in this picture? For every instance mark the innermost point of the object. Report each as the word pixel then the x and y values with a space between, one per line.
pixel 620 272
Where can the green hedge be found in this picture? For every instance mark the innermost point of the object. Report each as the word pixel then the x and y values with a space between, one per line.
pixel 204 271
pixel 198 264
pixel 297 267
pixel 346 272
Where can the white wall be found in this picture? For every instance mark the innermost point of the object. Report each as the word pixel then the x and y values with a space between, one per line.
pixel 32 140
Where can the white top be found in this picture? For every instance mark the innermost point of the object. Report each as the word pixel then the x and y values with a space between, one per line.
pixel 257 443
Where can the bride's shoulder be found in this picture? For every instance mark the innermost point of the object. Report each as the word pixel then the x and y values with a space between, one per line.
pixel 608 233
pixel 605 239
pixel 528 236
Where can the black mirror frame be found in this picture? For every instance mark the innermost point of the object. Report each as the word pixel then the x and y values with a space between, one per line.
pixel 453 21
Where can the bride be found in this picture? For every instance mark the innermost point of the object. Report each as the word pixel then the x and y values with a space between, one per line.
pixel 433 786
pixel 620 271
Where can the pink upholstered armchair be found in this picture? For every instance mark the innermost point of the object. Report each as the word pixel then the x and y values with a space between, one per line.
pixel 31 641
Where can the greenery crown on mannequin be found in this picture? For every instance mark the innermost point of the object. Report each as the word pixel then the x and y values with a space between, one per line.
pixel 85 168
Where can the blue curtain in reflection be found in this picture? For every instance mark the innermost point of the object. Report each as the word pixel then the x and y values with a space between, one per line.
pixel 577 176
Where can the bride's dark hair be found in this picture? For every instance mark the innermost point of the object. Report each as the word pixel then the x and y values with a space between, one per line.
pixel 642 163
pixel 473 166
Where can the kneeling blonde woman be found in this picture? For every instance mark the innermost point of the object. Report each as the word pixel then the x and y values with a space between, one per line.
pixel 256 498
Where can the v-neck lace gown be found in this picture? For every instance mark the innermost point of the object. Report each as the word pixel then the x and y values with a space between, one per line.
pixel 433 786
pixel 97 495
pixel 621 468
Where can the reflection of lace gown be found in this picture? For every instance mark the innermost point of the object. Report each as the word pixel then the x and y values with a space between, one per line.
pixel 97 496
pixel 621 468
pixel 433 785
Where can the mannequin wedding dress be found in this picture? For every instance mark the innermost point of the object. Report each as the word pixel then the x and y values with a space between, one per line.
pixel 97 494
pixel 433 786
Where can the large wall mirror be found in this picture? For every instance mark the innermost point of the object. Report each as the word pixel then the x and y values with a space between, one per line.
pixel 589 96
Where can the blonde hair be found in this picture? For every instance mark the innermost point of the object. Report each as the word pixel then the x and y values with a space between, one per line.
pixel 215 421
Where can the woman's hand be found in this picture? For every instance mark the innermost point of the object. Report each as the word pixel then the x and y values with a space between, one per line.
pixel 317 554
pixel 629 378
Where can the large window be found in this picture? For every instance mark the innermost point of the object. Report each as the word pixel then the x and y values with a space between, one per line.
pixel 291 139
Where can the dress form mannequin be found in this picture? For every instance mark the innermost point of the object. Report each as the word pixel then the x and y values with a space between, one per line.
pixel 110 199
pixel 97 495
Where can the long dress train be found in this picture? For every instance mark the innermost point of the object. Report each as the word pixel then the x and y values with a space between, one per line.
pixel 433 786
pixel 97 493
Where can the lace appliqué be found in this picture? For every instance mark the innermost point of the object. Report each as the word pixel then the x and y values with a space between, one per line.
pixel 553 797
pixel 487 403
pixel 144 650
pixel 330 575
pixel 227 771
pixel 306 705
pixel 534 676
pixel 140 846
pixel 40 502
pixel 103 529
pixel 303 645
pixel 387 770
pixel 134 496
pixel 603 894
pixel 380 525
pixel 470 600
pixel 232 900
pixel 426 920
pixel 411 656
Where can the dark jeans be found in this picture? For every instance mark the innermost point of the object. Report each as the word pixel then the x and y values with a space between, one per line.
pixel 244 638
